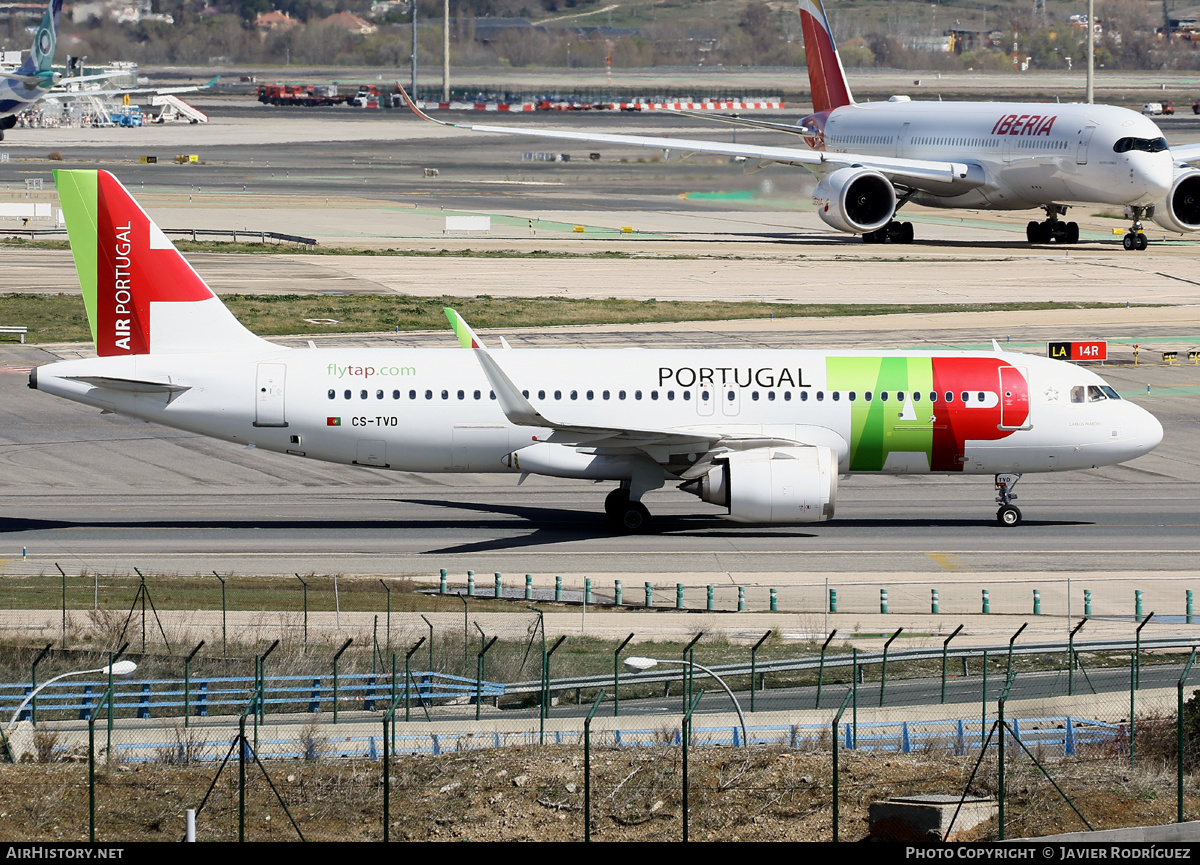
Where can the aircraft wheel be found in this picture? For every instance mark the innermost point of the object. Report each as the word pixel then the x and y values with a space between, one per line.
pixel 635 518
pixel 615 503
pixel 1129 241
pixel 1008 515
pixel 1142 242
pixel 1072 235
pixel 870 237
pixel 1033 231
pixel 906 232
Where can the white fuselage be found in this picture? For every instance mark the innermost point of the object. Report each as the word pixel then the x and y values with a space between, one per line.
pixel 1031 154
pixel 431 410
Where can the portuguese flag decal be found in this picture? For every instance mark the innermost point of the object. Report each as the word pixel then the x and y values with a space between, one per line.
pixel 333 421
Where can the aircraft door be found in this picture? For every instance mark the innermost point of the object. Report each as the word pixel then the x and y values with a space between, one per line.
pixel 731 400
pixel 902 141
pixel 269 395
pixel 1014 399
pixel 706 398
pixel 1085 139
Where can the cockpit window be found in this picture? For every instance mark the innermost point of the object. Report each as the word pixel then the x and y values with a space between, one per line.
pixel 1109 392
pixel 1078 393
pixel 1095 393
pixel 1147 145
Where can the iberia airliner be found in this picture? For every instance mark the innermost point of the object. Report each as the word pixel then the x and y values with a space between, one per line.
pixel 763 434
pixel 870 159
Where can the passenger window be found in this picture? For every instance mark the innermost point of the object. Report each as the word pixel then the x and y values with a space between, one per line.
pixel 477 394
pixel 574 394
pixel 653 394
pixel 362 394
pixel 1095 394
pixel 1077 393
pixel 803 396
pixel 604 395
pixel 395 394
pixel 670 394
pixel 900 395
pixel 445 394
pixel 412 394
pixel 332 393
pixel 637 394
pixel 916 396
pixel 966 397
pixel 933 396
pixel 428 394
pixel 704 395
pixel 949 396
pixel 883 395
pixel 591 394
pixel 687 395
pixel 982 396
pixel 541 394
pixel 754 396
pixel 558 394
pixel 379 394
pixel 853 396
pixel 771 395
pixel 787 396
pixel 732 396
pixel 491 394
pixel 868 396
pixel 620 394
pixel 525 394
pixel 837 395
pixel 820 396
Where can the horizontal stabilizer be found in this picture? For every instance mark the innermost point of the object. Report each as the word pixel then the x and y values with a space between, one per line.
pixel 131 385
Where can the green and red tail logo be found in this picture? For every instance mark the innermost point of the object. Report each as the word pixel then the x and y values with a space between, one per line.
pixel 125 263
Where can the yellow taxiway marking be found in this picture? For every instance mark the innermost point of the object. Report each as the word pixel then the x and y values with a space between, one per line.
pixel 949 562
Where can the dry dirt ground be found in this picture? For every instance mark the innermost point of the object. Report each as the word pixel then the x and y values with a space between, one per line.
pixel 537 794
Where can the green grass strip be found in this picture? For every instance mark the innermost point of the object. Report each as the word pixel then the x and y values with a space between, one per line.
pixel 61 318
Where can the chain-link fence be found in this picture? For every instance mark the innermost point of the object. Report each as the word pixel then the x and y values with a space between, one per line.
pixel 500 733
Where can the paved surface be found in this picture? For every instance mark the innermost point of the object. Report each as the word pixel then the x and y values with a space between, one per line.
pixel 106 492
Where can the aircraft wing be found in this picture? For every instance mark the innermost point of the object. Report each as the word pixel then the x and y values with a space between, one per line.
pixel 909 172
pixel 656 443
pixel 1186 153
pixel 789 128
pixel 162 91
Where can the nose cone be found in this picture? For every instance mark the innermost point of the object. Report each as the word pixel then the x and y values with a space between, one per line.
pixel 1145 432
pixel 1153 174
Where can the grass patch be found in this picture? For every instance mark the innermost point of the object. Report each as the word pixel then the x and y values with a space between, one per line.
pixel 61 318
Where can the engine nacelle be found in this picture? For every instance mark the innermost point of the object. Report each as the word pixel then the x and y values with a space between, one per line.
pixel 563 461
pixel 773 485
pixel 855 199
pixel 1181 209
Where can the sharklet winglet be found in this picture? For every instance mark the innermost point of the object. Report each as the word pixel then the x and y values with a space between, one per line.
pixel 467 337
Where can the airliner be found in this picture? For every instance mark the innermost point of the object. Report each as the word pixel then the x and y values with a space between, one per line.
pixel 764 434
pixel 35 79
pixel 870 159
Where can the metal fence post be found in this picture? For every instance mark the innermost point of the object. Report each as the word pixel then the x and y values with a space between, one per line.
pixel 617 676
pixel 686 731
pixel 836 775
pixel 587 767
pixel 479 675
pixel 945 647
pixel 1179 738
pixel 345 646
pixel 753 662
pixel 821 668
pixel 187 681
pixel 883 674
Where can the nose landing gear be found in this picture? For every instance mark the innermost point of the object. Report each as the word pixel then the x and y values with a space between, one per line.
pixel 1008 514
pixel 1134 239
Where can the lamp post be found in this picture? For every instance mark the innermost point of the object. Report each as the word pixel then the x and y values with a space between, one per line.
pixel 121 668
pixel 641 665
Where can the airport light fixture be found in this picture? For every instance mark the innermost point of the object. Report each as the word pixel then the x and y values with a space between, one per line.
pixel 637 664
pixel 120 668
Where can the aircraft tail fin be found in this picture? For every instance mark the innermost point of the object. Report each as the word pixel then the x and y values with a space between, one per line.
pixel 141 295
pixel 826 76
pixel 41 55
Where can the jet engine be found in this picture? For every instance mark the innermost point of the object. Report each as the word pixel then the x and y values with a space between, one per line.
pixel 772 485
pixel 855 199
pixel 563 461
pixel 1181 209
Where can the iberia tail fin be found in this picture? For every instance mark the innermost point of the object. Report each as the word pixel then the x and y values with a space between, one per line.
pixel 826 76
pixel 141 295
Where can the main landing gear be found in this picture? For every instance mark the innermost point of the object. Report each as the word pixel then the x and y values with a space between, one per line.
pixel 893 232
pixel 627 515
pixel 1009 514
pixel 1134 239
pixel 1052 229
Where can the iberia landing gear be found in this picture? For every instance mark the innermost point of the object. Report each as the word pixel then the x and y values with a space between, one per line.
pixel 630 516
pixel 1009 514
pixel 893 232
pixel 1134 239
pixel 1052 229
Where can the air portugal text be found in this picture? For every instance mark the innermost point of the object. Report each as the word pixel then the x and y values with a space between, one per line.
pixel 122 297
